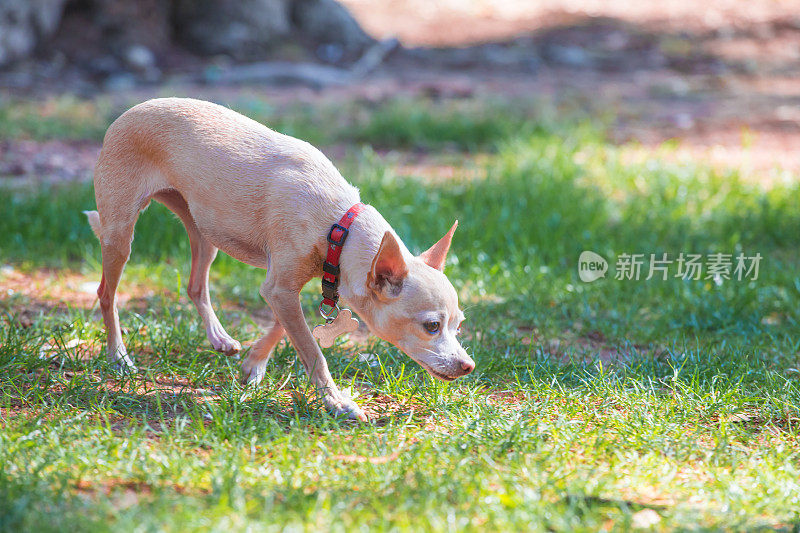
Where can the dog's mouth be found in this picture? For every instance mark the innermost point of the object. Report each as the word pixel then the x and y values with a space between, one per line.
pixel 439 375
pixel 435 373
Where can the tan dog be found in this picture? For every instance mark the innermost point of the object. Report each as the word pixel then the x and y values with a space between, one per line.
pixel 268 200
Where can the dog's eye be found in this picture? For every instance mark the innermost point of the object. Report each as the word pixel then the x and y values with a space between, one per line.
pixel 432 326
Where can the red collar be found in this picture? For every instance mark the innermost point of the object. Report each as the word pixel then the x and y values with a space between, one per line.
pixel 330 267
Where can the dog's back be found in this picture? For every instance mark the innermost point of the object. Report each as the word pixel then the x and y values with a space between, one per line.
pixel 245 184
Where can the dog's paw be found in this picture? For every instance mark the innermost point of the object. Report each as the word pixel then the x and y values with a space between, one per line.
pixel 345 407
pixel 122 363
pixel 253 371
pixel 222 342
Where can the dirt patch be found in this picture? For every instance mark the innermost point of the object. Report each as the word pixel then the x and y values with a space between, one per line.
pixel 50 287
pixel 507 399
pixel 51 161
pixel 585 346
pixel 459 23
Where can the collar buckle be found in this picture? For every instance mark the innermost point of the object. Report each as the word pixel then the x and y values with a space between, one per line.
pixel 341 239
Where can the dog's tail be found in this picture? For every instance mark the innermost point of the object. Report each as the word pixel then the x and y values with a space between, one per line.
pixel 94 222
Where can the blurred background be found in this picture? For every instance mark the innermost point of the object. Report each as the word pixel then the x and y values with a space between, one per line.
pixel 716 77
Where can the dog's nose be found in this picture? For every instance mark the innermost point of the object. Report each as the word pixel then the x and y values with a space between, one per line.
pixel 467 366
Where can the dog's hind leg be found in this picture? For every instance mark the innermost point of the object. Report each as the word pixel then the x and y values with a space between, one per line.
pixel 115 244
pixel 121 192
pixel 203 254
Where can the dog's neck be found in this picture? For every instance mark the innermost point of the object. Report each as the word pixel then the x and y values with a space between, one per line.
pixel 362 246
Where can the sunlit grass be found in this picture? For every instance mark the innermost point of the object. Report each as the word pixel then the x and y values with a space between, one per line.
pixel 694 415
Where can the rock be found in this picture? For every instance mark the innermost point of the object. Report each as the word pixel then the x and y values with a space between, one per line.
pixel 446 57
pixel 373 57
pixel 104 65
pixel 499 55
pixel 139 58
pixel 568 55
pixel 280 72
pixel 517 58
pixel 25 24
pixel 326 21
pixel 123 81
pixel 152 75
pixel 19 79
pixel 140 34
pixel 126 23
pixel 105 37
pixel 330 52
pixel 243 29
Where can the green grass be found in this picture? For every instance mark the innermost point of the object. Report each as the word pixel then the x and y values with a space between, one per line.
pixel 697 419
pixel 396 123
pixel 56 118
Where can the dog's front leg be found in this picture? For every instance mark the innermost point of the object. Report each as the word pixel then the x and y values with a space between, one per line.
pixel 285 303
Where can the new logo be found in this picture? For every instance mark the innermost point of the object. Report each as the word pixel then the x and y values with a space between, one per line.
pixel 591 266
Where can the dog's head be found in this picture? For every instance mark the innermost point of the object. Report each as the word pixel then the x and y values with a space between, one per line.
pixel 415 307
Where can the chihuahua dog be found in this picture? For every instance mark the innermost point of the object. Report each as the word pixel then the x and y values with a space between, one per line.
pixel 268 200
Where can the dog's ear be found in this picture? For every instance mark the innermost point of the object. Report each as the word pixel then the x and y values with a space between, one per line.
pixel 436 255
pixel 388 267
